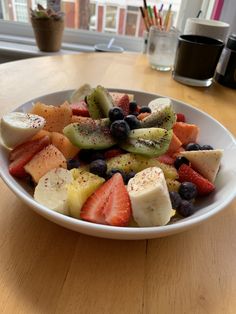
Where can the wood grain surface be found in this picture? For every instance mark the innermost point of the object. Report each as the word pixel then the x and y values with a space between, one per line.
pixel 45 268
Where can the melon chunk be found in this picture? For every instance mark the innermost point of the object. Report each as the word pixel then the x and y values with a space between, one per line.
pixel 75 119
pixel 64 145
pixel 186 133
pixel 174 146
pixel 56 117
pixel 41 134
pixel 47 159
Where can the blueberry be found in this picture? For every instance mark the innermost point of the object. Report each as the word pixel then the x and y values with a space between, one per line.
pixel 206 147
pixel 129 176
pixel 193 146
pixel 85 155
pixel 186 208
pixel 115 113
pixel 113 171
pixel 98 167
pixel 179 161
pixel 188 190
pixel 175 199
pixel 72 163
pixel 133 106
pixel 132 121
pixel 145 109
pixel 120 129
pixel 135 113
pixel 96 155
pixel 88 155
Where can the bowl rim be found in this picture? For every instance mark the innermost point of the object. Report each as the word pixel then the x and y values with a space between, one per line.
pixel 112 231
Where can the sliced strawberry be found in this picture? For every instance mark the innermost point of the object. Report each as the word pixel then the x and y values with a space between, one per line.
pixel 124 104
pixel 166 159
pixel 117 210
pixel 113 153
pixel 180 117
pixel 92 209
pixel 110 204
pixel 80 109
pixel 186 173
pixel 23 153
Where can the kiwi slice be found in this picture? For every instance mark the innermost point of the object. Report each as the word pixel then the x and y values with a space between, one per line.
pixel 90 134
pixel 164 118
pixel 99 103
pixel 150 142
pixel 134 162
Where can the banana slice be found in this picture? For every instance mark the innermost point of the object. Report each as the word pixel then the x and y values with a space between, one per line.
pixel 159 104
pixel 51 190
pixel 151 205
pixel 18 127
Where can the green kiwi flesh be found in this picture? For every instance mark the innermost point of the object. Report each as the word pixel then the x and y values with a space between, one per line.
pixel 90 134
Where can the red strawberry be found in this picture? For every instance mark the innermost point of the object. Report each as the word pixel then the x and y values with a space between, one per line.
pixel 113 153
pixel 110 204
pixel 23 153
pixel 166 159
pixel 124 104
pixel 186 173
pixel 180 117
pixel 80 109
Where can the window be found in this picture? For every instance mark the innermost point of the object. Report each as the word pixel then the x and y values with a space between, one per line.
pixel 111 18
pixel 87 22
pixel 92 16
pixel 132 21
pixel 20 11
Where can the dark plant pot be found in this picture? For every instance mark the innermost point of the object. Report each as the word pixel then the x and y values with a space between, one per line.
pixel 48 34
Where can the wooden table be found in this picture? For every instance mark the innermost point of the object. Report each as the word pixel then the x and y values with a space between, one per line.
pixel 45 268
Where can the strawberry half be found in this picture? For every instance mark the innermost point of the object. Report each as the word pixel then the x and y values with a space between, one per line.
pixel 123 103
pixel 23 153
pixel 80 109
pixel 180 117
pixel 166 159
pixel 186 173
pixel 109 205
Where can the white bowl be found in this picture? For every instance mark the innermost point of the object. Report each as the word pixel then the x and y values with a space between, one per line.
pixel 211 132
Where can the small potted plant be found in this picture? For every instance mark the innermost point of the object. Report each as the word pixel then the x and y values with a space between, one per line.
pixel 48 27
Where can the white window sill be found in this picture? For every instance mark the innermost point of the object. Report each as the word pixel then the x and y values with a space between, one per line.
pixel 17 41
pixel 20 48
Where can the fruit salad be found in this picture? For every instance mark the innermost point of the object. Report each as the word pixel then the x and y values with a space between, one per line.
pixel 104 158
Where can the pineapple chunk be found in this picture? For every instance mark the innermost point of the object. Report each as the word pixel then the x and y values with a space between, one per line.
pixel 83 185
pixel 172 185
